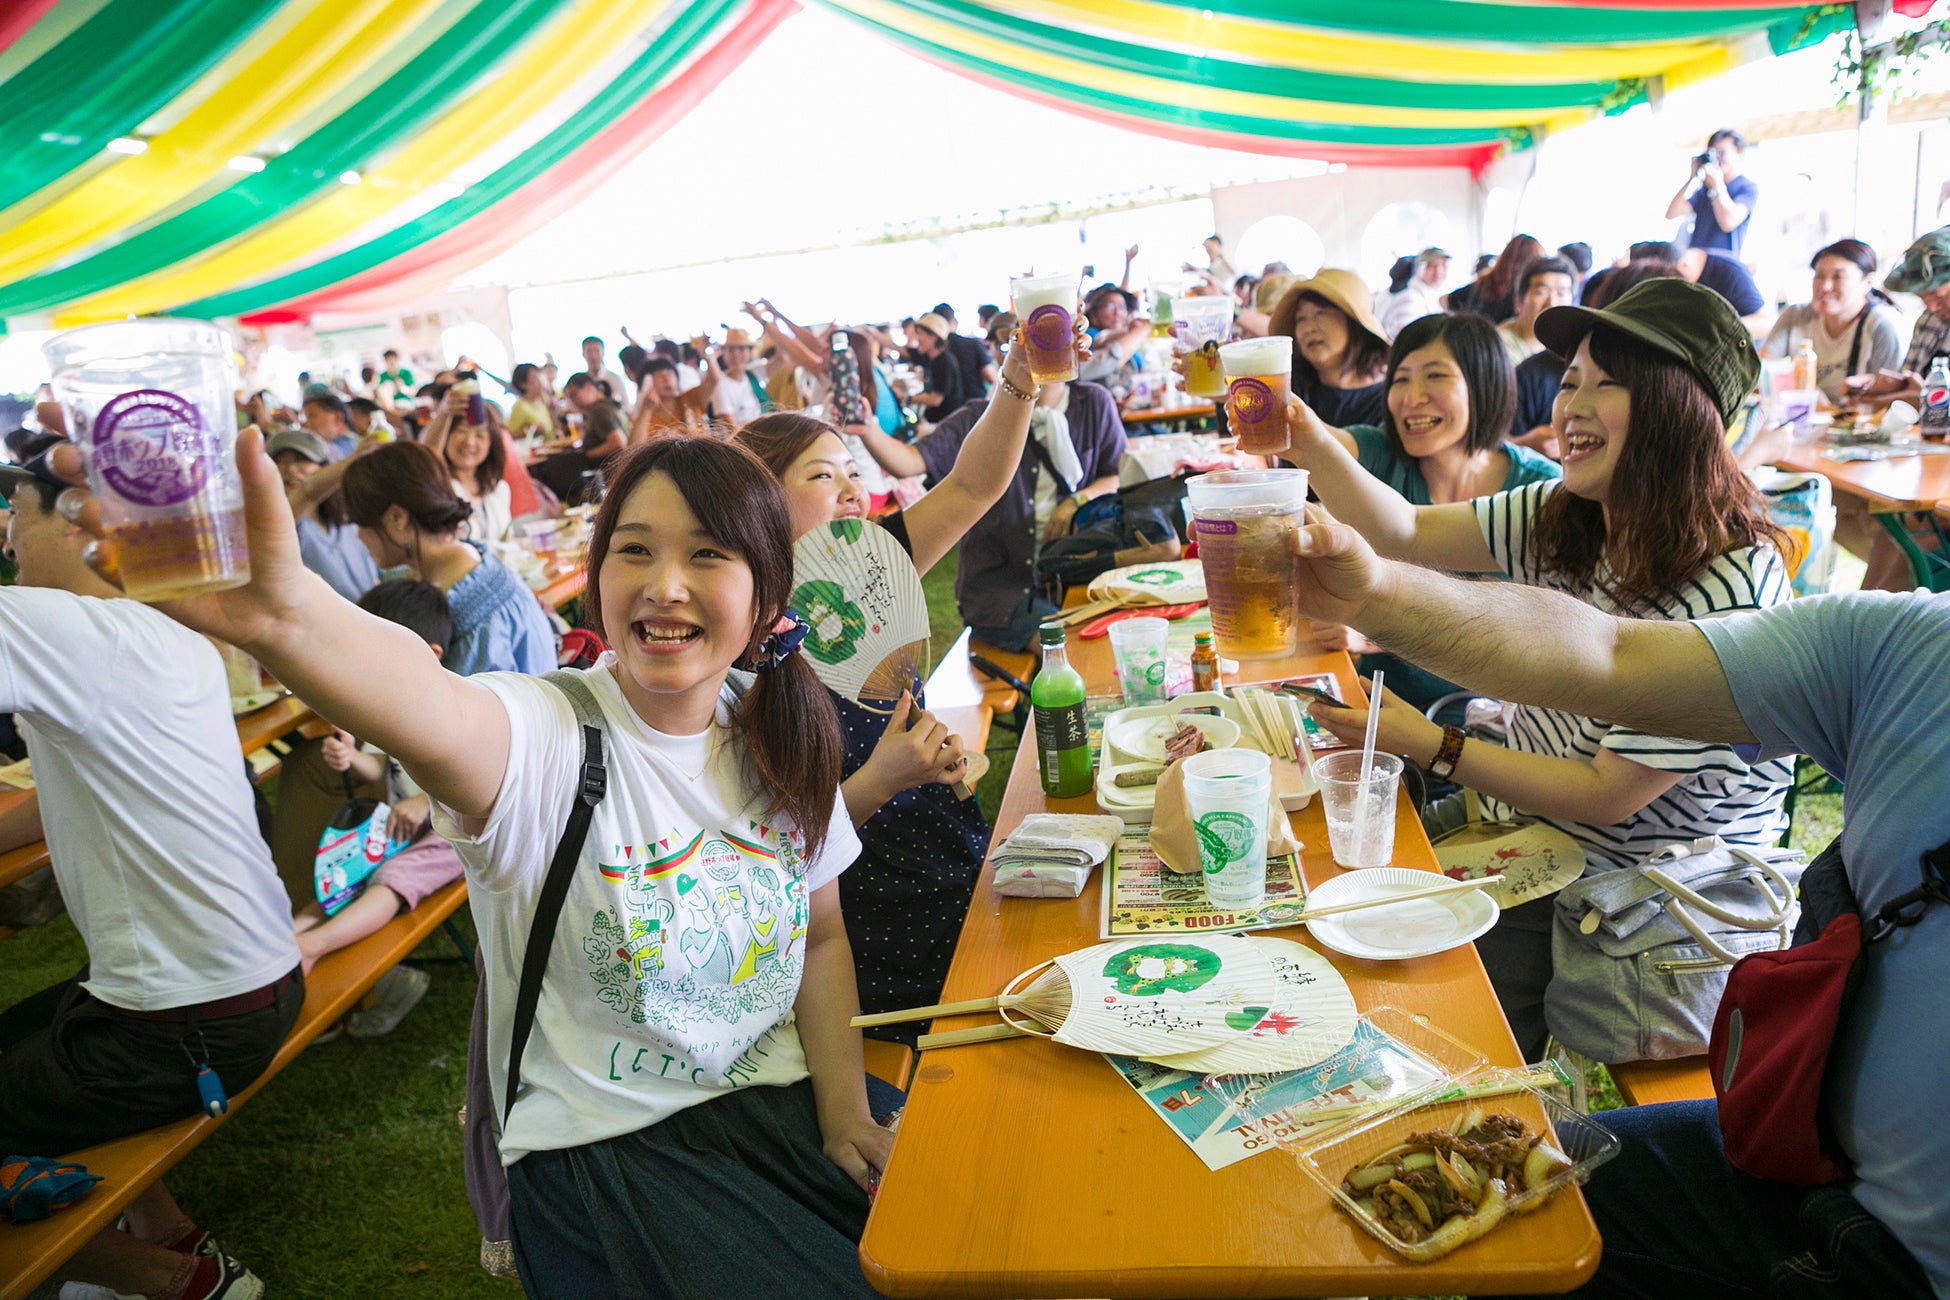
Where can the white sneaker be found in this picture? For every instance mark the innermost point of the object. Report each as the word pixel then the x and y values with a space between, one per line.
pixel 399 990
pixel 89 1291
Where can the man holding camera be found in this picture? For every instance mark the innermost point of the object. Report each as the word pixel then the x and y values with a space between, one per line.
pixel 1718 194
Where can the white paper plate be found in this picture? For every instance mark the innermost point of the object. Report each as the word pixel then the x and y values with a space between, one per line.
pixel 1413 929
pixel 242 704
pixel 1140 733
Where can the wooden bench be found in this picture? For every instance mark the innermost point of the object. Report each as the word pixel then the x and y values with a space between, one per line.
pixel 957 682
pixel 1645 1083
pixel 31 1252
pixel 890 1062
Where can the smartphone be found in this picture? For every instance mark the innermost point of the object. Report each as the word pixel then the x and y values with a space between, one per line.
pixel 1312 693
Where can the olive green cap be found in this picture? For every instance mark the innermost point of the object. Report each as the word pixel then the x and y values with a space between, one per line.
pixel 1685 321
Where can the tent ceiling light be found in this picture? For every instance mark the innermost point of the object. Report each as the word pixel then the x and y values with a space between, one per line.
pixel 127 144
pixel 244 162
pixel 350 178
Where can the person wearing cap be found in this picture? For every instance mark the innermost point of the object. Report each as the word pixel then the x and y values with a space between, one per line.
pixel 1924 271
pixel 947 387
pixel 740 398
pixel 1654 520
pixel 327 540
pixel 152 835
pixel 1421 296
pixel 1855 681
pixel 1339 349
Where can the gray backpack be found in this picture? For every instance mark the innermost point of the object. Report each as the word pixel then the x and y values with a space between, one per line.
pixel 1640 956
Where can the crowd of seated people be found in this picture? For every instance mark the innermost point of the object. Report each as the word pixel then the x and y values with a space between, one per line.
pixel 1543 444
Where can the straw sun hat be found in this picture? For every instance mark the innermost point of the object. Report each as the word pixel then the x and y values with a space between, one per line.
pixel 1344 289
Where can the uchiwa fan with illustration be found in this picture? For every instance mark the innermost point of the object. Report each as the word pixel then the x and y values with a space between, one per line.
pixel 1158 998
pixel 859 593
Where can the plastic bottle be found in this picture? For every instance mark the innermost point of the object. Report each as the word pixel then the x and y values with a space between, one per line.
pixel 1062 732
pixel 1205 663
pixel 1935 421
pixel 1806 367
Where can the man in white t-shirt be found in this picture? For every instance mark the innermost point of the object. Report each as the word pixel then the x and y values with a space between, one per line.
pixel 153 839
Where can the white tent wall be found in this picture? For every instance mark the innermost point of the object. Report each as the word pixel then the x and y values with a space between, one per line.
pixel 1361 218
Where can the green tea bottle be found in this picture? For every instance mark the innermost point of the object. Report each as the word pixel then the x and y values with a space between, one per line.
pixel 1062 733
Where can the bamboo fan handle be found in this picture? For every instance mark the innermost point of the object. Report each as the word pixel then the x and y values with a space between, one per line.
pixel 962 1037
pixel 971 1007
pixel 1389 900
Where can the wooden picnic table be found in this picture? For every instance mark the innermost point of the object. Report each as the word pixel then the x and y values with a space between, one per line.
pixel 1203 410
pixel 1886 486
pixel 1024 1168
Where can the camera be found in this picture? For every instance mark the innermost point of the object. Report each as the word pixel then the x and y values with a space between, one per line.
pixel 1701 159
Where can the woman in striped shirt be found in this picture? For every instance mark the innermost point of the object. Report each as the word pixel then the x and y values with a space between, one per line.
pixel 1653 519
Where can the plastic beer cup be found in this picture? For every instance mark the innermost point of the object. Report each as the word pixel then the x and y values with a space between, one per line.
pixel 1259 375
pixel 1245 521
pixel 1047 305
pixel 152 405
pixel 1138 646
pixel 1200 327
pixel 1227 794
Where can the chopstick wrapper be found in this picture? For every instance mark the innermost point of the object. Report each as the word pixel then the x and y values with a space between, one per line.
pixel 1175 841
pixel 1051 855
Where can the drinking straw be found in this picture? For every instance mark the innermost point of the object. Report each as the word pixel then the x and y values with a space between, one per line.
pixel 1367 758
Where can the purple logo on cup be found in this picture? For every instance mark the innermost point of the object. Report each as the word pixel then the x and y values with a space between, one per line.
pixel 149 447
pixel 1252 401
pixel 1214 527
pixel 1048 327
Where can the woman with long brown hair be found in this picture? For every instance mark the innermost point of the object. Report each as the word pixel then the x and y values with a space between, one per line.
pixel 1494 293
pixel 1653 519
pixel 687 1070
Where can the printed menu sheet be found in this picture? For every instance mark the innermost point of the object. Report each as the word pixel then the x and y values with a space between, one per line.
pixel 1141 897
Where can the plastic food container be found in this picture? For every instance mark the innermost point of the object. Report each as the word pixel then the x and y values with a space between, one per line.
pixel 1405 1076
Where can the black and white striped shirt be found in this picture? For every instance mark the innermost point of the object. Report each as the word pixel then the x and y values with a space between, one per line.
pixel 1719 793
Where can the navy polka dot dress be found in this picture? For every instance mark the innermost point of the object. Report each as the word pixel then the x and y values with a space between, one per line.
pixel 907 894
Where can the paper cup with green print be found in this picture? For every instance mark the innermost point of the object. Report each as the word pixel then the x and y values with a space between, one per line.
pixel 1227 794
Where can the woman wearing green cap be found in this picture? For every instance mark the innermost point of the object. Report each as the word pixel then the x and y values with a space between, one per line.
pixel 1653 519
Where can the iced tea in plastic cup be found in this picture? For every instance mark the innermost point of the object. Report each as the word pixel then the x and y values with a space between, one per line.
pixel 1245 521
pixel 1259 375
pixel 152 405
pixel 1047 306
pixel 1199 328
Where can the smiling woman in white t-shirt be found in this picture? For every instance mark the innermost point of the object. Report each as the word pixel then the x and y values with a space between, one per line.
pixel 691 1074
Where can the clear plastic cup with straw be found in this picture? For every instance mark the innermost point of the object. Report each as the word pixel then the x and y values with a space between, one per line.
pixel 1227 793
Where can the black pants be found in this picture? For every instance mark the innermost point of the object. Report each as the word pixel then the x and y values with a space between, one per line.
pixel 75 1071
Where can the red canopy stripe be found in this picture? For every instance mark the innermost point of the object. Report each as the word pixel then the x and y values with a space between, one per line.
pixel 16 18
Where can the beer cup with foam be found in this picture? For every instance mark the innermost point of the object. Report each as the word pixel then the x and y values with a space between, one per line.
pixel 1245 521
pixel 1047 306
pixel 1259 374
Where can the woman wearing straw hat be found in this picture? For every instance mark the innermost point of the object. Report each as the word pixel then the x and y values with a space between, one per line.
pixel 1340 353
pixel 1653 519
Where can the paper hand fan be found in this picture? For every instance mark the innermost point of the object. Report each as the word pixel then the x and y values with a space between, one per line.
pixel 1312 1017
pixel 860 594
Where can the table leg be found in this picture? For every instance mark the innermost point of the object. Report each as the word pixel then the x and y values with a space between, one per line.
pixel 1930 569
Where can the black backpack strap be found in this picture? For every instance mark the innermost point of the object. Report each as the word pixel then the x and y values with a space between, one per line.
pixel 591 784
pixel 1043 457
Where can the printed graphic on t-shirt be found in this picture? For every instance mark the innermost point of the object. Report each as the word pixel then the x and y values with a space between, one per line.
pixel 704 941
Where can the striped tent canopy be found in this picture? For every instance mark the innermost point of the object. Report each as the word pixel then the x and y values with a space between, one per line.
pixel 269 159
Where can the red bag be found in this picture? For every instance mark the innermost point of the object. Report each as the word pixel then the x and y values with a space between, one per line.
pixel 1777 1022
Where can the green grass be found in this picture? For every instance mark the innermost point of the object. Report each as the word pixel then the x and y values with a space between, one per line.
pixel 343 1177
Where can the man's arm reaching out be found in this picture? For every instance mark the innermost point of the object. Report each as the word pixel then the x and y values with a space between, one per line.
pixel 1520 643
